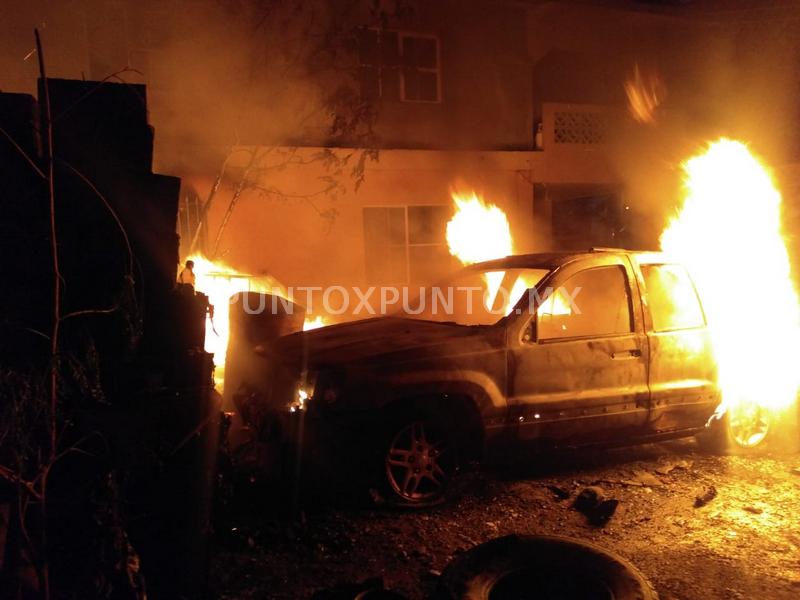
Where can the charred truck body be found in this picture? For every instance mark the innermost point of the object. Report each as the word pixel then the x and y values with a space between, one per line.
pixel 600 347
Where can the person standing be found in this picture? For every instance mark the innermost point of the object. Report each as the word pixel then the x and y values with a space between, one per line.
pixel 186 276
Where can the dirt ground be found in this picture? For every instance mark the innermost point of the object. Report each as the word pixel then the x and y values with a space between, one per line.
pixel 743 544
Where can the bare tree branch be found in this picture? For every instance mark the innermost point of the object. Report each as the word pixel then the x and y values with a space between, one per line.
pixel 24 154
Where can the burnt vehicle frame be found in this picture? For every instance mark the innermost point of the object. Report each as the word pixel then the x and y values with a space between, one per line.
pixel 416 398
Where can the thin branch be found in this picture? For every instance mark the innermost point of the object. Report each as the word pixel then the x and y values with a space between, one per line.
pixel 53 243
pixel 22 503
pixel 36 332
pixel 207 205
pixel 187 438
pixel 236 195
pixel 13 477
pixel 273 191
pixel 24 154
pixel 75 448
pixel 115 75
pixel 90 311
pixel 45 571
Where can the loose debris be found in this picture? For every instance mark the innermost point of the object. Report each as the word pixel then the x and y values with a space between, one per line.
pixel 707 496
pixel 669 467
pixel 643 479
pixel 559 492
pixel 593 503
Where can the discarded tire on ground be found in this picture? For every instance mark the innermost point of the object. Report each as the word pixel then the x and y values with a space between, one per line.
pixel 519 567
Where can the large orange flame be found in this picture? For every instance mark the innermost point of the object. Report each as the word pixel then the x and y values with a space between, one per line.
pixel 479 232
pixel 219 281
pixel 728 233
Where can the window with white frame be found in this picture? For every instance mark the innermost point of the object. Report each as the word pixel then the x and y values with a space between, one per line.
pixel 396 65
pixel 406 243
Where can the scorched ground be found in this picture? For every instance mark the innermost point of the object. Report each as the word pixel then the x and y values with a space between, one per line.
pixel 743 544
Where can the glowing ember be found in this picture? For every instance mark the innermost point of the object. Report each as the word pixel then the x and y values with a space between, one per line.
pixel 479 232
pixel 314 323
pixel 728 234
pixel 219 282
pixel 644 93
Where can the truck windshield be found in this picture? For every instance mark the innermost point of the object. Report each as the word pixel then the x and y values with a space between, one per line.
pixel 474 296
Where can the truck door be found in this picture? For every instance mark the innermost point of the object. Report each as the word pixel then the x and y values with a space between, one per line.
pixel 683 372
pixel 579 366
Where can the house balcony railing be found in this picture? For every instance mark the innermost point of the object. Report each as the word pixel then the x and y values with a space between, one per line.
pixel 571 125
pixel 575 143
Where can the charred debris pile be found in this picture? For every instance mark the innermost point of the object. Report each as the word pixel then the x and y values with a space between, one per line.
pixel 109 433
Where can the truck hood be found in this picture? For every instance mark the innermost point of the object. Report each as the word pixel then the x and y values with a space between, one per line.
pixel 373 339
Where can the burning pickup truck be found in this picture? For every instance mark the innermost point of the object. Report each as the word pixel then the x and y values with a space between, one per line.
pixel 526 352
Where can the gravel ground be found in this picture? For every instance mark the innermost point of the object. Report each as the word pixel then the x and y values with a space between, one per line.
pixel 743 544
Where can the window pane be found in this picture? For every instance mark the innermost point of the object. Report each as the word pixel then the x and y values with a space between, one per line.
pixel 428 86
pixel 428 224
pixel 396 231
pixel 426 53
pixel 410 84
pixel 475 297
pixel 375 225
pixel 594 302
pixel 385 244
pixel 409 52
pixel 672 298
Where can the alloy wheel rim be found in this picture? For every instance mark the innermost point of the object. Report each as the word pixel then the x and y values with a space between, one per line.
pixel 748 424
pixel 415 466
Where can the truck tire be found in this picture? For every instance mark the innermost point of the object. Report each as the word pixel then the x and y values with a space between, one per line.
pixel 417 461
pixel 741 430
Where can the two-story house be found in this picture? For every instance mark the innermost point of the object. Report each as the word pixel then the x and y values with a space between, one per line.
pixel 522 101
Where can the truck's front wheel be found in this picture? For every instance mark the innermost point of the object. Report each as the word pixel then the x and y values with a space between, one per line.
pixel 419 461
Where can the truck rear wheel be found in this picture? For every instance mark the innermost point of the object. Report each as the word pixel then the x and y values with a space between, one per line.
pixel 741 430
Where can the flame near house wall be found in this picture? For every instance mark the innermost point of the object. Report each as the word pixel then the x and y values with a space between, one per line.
pixel 728 234
pixel 478 232
pixel 220 282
